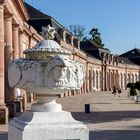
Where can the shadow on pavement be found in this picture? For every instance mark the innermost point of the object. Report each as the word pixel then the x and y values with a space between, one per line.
pixel 99 117
pixel 114 135
pixel 3 135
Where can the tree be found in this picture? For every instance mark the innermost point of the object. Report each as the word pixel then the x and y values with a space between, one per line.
pixel 77 30
pixel 96 37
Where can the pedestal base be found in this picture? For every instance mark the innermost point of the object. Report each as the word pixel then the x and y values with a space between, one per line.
pixel 3 114
pixel 47 126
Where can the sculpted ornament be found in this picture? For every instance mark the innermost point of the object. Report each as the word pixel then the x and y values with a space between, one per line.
pixel 48 32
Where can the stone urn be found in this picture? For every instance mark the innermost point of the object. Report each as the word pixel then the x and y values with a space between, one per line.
pixel 47 72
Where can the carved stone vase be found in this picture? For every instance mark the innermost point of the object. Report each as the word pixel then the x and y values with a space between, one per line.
pixel 47 72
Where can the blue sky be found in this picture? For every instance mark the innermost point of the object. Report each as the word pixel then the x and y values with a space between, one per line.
pixel 118 21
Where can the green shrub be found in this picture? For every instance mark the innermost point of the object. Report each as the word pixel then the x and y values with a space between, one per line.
pixel 133 92
pixel 132 89
pixel 137 85
pixel 130 85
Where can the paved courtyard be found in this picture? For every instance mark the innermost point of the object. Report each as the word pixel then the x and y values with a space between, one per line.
pixel 111 117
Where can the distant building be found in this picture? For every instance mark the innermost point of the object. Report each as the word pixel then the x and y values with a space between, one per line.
pixel 20 29
pixel 133 55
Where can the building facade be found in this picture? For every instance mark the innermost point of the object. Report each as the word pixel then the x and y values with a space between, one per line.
pixel 15 36
pixel 20 26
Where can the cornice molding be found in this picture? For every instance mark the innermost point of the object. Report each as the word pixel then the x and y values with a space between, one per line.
pixel 22 9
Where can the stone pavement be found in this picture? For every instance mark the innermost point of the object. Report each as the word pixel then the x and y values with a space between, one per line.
pixel 3 132
pixel 111 117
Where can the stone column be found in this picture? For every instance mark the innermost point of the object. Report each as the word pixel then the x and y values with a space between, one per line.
pixel 113 78
pixel 103 78
pixel 16 49
pixel 122 81
pixel 110 80
pixel 87 78
pixel 2 55
pixel 8 55
pixel 16 41
pixel 99 81
pixel 8 33
pixel 116 78
pixel 91 79
pixel 95 78
pixel 21 35
pixel 3 109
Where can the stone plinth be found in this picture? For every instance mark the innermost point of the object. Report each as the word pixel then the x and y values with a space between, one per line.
pixel 47 126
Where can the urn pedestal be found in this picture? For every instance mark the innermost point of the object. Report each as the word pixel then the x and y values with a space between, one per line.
pixel 47 126
pixel 46 121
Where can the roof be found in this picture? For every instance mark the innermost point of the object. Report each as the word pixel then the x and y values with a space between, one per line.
pixel 124 60
pixel 133 55
pixel 38 19
pixel 136 60
pixel 92 48
pixel 34 13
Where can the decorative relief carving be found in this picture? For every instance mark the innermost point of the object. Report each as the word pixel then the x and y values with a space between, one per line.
pixel 46 68
pixel 59 71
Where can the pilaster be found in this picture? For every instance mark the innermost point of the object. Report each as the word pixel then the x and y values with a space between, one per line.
pixel 110 80
pixel 2 55
pixel 3 109
pixel 16 41
pixel 103 78
pixel 99 81
pixel 95 76
pixel 8 54
pixel 87 78
pixel 91 80
pixel 8 32
pixel 21 35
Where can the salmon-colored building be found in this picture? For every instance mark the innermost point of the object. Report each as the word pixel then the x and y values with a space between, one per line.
pixel 20 27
